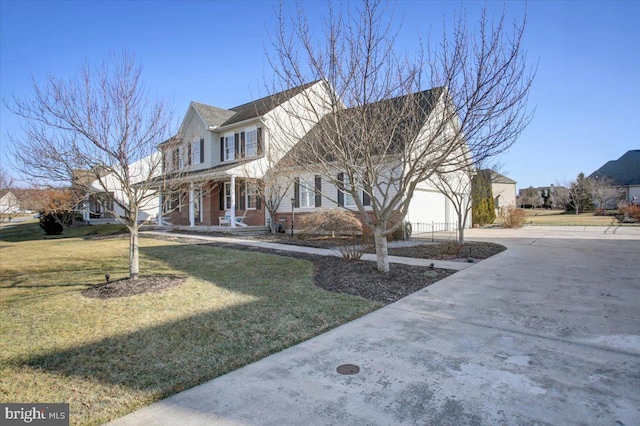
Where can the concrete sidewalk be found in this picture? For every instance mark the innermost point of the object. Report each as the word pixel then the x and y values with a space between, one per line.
pixel 547 332
pixel 444 264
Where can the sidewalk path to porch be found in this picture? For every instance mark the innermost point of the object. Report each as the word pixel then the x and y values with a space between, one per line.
pixel 443 264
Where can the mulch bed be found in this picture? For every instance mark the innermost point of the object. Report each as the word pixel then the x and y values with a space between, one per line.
pixel 126 287
pixel 358 278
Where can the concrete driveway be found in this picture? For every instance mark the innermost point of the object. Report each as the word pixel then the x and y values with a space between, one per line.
pixel 547 332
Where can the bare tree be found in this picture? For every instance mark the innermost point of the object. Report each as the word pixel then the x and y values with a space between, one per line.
pixel 379 133
pixel 530 197
pixel 456 187
pixel 272 182
pixel 103 125
pixel 604 192
pixel 578 195
pixel 57 203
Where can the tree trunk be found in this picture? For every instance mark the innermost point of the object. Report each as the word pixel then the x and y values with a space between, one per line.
pixel 461 226
pixel 382 255
pixel 134 267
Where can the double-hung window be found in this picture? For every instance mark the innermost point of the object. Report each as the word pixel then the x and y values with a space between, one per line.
pixel 252 195
pixel 176 159
pixel 307 193
pixel 227 195
pixel 196 151
pixel 229 147
pixel 251 143
pixel 348 198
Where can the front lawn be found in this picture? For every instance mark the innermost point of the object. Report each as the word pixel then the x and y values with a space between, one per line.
pixel 561 218
pixel 108 357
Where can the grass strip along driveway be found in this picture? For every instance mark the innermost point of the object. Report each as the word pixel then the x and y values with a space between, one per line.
pixel 108 357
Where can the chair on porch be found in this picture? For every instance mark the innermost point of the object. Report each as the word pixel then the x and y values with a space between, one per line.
pixel 240 220
pixel 226 219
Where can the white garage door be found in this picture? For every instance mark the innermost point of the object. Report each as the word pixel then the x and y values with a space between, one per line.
pixel 427 207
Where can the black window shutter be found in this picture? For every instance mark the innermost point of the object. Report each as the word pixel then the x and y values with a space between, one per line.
pixel 258 202
pixel 259 138
pixel 318 191
pixel 296 192
pixel 243 195
pixel 242 145
pixel 222 206
pixel 366 199
pixel 201 151
pixel 189 154
pixel 236 140
pixel 222 149
pixel 340 189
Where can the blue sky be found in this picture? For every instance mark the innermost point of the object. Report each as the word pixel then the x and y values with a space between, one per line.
pixel 586 92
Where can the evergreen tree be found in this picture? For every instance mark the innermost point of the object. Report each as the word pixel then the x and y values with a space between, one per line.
pixel 483 209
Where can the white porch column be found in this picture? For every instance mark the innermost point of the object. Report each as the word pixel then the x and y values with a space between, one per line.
pixel 192 219
pixel 233 201
pixel 160 202
pixel 85 211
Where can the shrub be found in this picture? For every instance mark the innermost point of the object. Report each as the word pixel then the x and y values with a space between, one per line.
pixel 51 224
pixel 632 211
pixel 331 222
pixel 451 248
pixel 514 217
pixel 351 252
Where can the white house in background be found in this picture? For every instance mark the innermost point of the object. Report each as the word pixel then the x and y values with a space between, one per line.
pixel 99 205
pixel 625 175
pixel 9 203
pixel 504 191
pixel 219 157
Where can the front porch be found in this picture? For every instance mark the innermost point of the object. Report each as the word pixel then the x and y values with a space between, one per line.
pixel 214 205
pixel 212 229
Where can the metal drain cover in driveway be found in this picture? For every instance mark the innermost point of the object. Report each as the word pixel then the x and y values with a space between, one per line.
pixel 348 369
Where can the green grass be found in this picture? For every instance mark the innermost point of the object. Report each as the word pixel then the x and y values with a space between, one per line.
pixel 560 218
pixel 108 357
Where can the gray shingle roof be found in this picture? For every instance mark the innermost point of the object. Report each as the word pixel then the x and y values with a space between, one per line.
pixel 413 115
pixel 223 117
pixel 500 178
pixel 212 115
pixel 262 106
pixel 624 171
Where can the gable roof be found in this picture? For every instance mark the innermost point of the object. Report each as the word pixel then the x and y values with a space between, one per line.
pixel 624 171
pixel 413 112
pixel 211 115
pixel 500 178
pixel 262 106
pixel 220 117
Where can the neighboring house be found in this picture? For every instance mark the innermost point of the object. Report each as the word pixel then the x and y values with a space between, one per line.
pixel 220 157
pixel 99 205
pixel 533 197
pixel 9 203
pixel 504 192
pixel 625 175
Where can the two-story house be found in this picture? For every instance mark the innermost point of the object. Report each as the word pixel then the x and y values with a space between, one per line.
pixel 217 159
